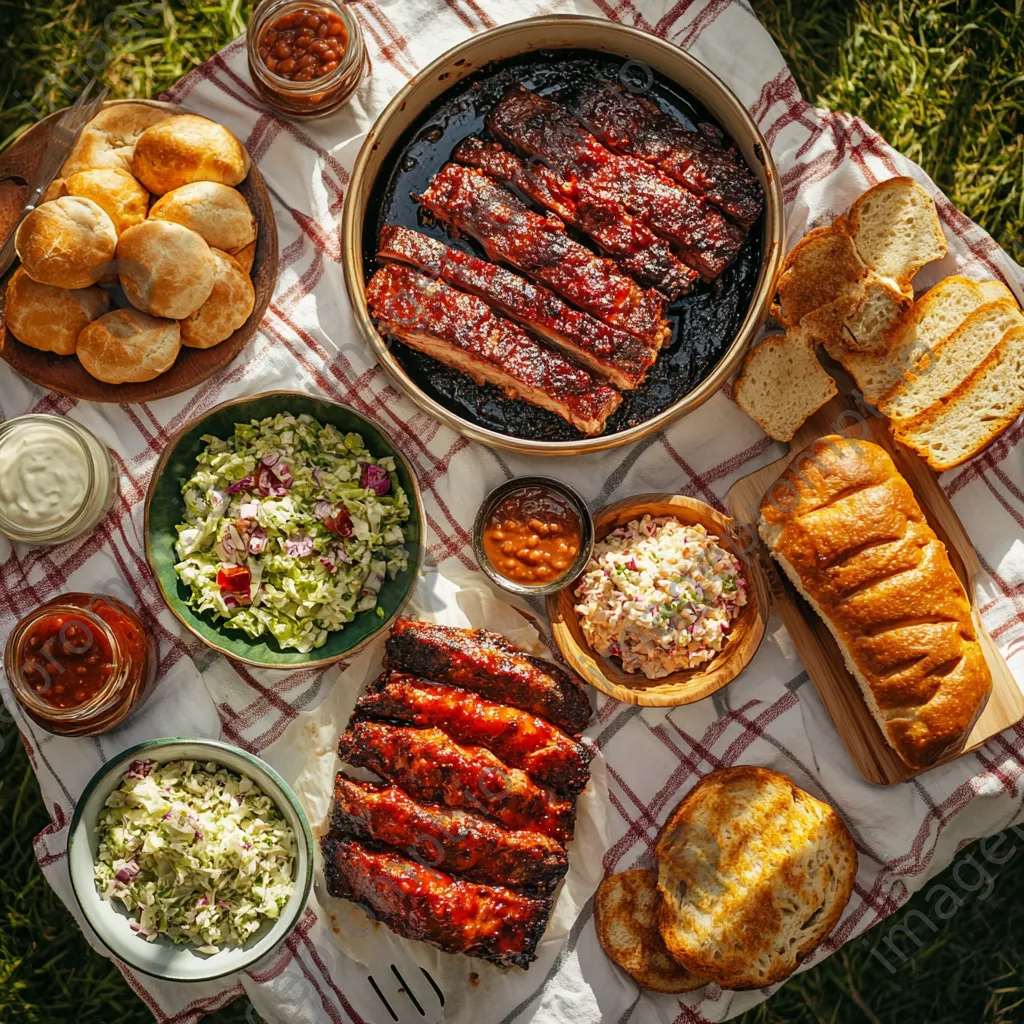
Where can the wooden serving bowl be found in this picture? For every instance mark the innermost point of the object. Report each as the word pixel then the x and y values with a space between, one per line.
pixel 65 374
pixel 686 685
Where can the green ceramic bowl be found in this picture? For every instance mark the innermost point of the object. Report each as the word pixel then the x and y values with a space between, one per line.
pixel 165 509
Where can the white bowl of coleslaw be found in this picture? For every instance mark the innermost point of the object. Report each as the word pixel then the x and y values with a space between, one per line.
pixel 670 607
pixel 219 822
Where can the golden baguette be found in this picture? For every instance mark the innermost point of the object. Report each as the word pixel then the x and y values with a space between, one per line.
pixel 846 529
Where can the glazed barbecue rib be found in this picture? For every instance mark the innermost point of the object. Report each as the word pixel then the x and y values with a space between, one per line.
pixel 453 841
pixel 632 245
pixel 699 160
pixel 510 232
pixel 489 665
pixel 429 765
pixel 461 331
pixel 418 902
pixel 702 237
pixel 517 737
pixel 602 349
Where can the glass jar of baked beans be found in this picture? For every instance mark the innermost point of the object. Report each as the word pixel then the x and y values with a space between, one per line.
pixel 80 664
pixel 306 57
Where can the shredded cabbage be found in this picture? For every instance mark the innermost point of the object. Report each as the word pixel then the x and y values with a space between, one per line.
pixel 291 528
pixel 199 854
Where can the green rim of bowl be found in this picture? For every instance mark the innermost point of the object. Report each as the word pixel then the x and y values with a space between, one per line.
pixel 213 746
pixel 165 509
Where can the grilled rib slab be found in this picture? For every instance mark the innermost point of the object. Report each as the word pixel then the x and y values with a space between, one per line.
pixel 461 331
pixel 622 236
pixel 488 664
pixel 453 841
pixel 603 349
pixel 419 902
pixel 519 738
pixel 510 232
pixel 429 765
pixel 627 123
pixel 702 237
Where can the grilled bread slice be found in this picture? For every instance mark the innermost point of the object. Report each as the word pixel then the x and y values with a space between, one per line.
pixel 848 532
pixel 626 914
pixel 895 228
pixel 934 317
pixel 942 369
pixel 781 383
pixel 754 874
pixel 968 420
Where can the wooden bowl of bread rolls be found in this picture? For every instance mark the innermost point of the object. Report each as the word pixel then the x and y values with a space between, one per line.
pixel 149 262
pixel 621 625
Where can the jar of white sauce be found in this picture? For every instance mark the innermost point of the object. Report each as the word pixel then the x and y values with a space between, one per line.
pixel 57 480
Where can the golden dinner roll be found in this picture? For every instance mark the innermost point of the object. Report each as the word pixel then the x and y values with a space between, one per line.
pixel 127 346
pixel 245 257
pixel 188 148
pixel 117 192
pixel 227 308
pixel 49 318
pixel 108 140
pixel 217 212
pixel 67 242
pixel 54 190
pixel 165 269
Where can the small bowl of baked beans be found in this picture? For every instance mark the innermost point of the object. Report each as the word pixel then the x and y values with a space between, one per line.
pixel 533 535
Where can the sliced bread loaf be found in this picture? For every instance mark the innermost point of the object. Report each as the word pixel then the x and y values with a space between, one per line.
pixel 822 268
pixel 945 367
pixel 896 229
pixel 933 318
pixel 781 383
pixel 626 909
pixel 754 873
pixel 967 421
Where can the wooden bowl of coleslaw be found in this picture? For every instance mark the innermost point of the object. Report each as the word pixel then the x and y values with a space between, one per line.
pixel 741 636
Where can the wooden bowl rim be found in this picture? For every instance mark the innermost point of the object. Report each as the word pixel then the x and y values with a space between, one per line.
pixel 687 685
pixel 115 393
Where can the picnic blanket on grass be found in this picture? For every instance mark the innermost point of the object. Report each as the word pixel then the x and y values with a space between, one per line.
pixel 769 716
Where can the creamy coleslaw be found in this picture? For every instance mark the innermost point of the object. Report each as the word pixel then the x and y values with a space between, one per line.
pixel 197 853
pixel 660 596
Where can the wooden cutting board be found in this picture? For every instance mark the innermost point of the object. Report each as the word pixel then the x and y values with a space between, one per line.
pixel 839 692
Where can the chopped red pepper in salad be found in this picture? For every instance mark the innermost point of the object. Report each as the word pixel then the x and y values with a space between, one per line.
pixel 234 579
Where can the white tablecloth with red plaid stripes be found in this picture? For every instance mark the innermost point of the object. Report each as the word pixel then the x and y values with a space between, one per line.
pixel 769 716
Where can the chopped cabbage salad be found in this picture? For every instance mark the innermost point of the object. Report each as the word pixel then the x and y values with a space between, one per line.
pixel 290 529
pixel 660 596
pixel 197 853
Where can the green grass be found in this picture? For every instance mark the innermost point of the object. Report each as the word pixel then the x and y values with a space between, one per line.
pixel 944 82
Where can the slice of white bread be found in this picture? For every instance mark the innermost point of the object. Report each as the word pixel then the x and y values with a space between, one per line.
pixel 754 873
pixel 781 383
pixel 896 229
pixel 862 322
pixel 822 268
pixel 626 909
pixel 967 421
pixel 942 369
pixel 933 318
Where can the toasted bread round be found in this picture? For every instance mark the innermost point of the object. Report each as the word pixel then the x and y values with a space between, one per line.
pixel 754 873
pixel 217 212
pixel 227 308
pixel 67 242
pixel 48 318
pixel 188 148
pixel 128 346
pixel 165 269
pixel 626 915
pixel 123 199
pixel 108 140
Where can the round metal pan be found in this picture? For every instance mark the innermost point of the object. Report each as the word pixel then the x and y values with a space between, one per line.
pixel 561 32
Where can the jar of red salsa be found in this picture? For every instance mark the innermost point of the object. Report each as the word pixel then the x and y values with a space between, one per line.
pixel 306 57
pixel 80 664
